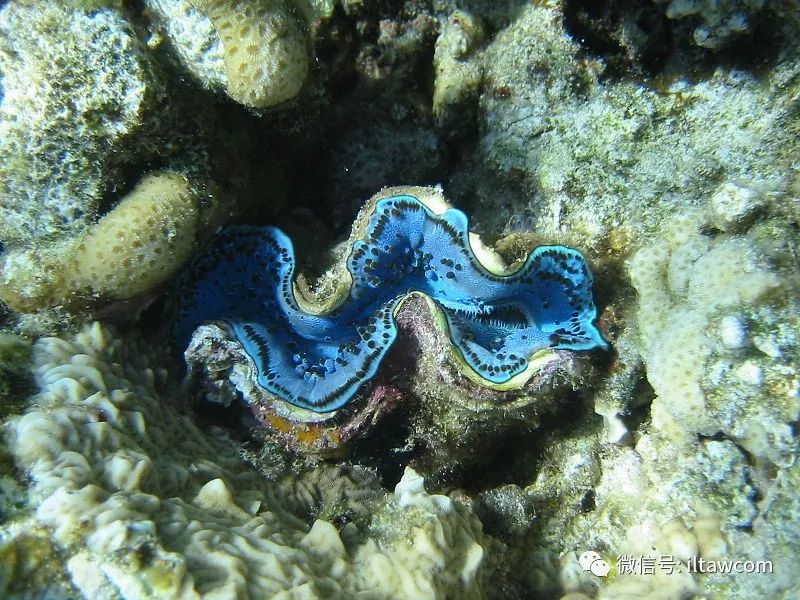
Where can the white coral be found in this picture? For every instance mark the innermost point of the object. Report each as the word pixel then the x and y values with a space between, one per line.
pixel 145 505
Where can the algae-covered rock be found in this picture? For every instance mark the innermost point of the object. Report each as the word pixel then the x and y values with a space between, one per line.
pixel 457 80
pixel 15 375
pixel 700 301
pixel 588 158
pixel 720 20
pixel 75 107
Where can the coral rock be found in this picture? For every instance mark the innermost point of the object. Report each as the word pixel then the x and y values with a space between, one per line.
pixel 201 522
pixel 78 99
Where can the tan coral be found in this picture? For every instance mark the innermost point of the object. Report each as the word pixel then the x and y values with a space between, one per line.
pixel 132 249
pixel 266 57
pixel 142 242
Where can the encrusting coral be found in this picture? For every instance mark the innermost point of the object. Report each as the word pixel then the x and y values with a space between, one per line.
pixel 143 504
pixel 138 245
pixel 696 297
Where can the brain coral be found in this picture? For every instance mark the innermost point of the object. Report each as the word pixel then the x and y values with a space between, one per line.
pixel 142 504
pixel 265 51
pixel 136 246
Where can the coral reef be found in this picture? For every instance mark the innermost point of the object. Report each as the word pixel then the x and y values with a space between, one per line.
pixel 708 374
pixel 316 355
pixel 658 137
pixel 141 503
pixel 372 61
pixel 583 162
pixel 81 116
pixel 192 39
pixel 693 182
pixel 139 244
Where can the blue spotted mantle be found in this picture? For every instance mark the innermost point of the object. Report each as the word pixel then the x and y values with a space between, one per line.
pixel 319 362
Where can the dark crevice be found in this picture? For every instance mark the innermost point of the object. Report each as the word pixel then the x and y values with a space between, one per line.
pixel 626 33
pixel 638 414
pixel 520 456
pixel 750 474
pixel 637 40
pixel 588 502
pixel 385 448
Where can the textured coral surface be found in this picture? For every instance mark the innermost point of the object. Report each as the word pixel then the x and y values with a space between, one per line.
pixel 144 504
pixel 138 245
pixel 264 49
pixel 659 138
pixel 65 103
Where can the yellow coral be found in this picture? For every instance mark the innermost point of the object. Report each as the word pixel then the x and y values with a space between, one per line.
pixel 265 50
pixel 132 249
pixel 142 241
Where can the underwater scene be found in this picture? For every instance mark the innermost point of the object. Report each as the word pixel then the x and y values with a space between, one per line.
pixel 399 299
